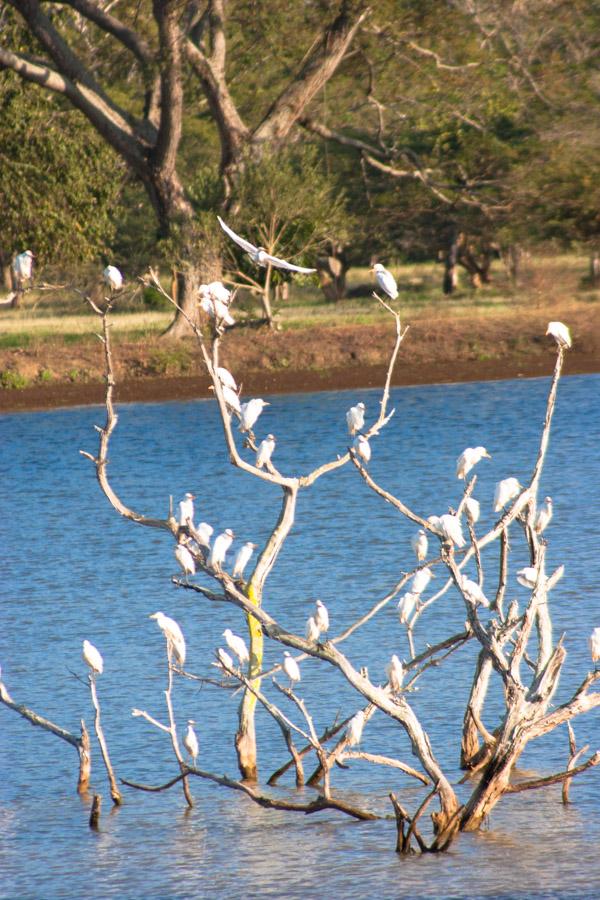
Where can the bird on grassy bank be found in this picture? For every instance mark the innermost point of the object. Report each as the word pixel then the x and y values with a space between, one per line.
pixel 259 255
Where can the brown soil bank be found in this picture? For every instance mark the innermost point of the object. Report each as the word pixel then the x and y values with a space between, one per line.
pixel 436 349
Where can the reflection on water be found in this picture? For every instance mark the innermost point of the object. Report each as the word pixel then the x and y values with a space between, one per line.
pixel 72 570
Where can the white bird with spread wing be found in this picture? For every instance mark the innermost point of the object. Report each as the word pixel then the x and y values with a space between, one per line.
pixel 259 255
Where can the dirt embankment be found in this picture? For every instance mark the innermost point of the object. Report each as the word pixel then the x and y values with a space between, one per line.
pixel 436 349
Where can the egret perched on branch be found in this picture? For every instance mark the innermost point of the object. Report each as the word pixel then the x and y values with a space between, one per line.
pixel 265 451
pixel 242 559
pixel 214 305
pixel 321 616
pixel 237 645
pixel 362 448
pixel 506 490
pixel 291 668
pixel 313 632
pixel 406 606
pixel 226 378
pixel 395 673
pixel 250 412
pixel 595 646
pixel 451 529
pixel 203 534
pixel 232 400
pixel 216 290
pixel 527 576
pixel 355 418
pixel 385 280
pixel 173 634
pixel 112 278
pixel 560 333
pixel 186 509
pixel 23 267
pixel 542 520
pixel 355 728
pixel 221 545
pixel 224 659
pixel 472 510
pixel 420 581
pixel 93 658
pixel 473 592
pixel 420 544
pixel 469 458
pixel 259 255
pixel 190 741
pixel 185 560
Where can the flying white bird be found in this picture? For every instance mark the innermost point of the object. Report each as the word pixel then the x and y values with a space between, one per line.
pixel 472 509
pixel 362 448
pixel 313 632
pixel 420 581
pixel 259 255
pixel 527 576
pixel 112 278
pixel 451 529
pixel 185 560
pixel 203 534
pixel 23 267
pixel 385 280
pixel 560 333
pixel 265 451
pixel 250 412
pixel 505 490
pixel 173 634
pixel 226 378
pixel 221 545
pixel 291 668
pixel 224 659
pixel 469 458
pixel 93 658
pixel 420 544
pixel 594 642
pixel 473 592
pixel 355 728
pixel 355 418
pixel 190 741
pixel 542 520
pixel 406 606
pixel 186 509
pixel 395 673
pixel 242 559
pixel 237 645
pixel 321 616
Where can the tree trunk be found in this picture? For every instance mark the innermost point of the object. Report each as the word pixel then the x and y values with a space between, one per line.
pixel 450 271
pixel 332 271
pixel 469 750
pixel 595 269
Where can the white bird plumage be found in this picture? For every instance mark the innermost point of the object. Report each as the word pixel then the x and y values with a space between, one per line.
pixel 237 645
pixel 190 741
pixel 469 458
pixel 362 448
pixel 355 728
pixel 93 658
pixel 259 255
pixel 594 644
pixel 355 418
pixel 291 668
pixel 452 530
pixel 214 300
pixel 186 509
pixel 242 559
pixel 560 332
pixel 203 534
pixel 185 559
pixel 472 510
pixel 224 658
pixel 506 490
pixel 395 673
pixel 250 412
pixel 527 576
pixel 221 545
pixel 321 615
pixel 112 278
pixel 173 634
pixel 23 266
pixel 231 399
pixel 313 632
pixel 420 544
pixel 420 581
pixel 544 515
pixel 226 378
pixel 385 280
pixel 473 592
pixel 406 606
pixel 265 451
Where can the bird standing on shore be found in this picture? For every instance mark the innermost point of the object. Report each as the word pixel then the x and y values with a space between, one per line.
pixel 385 280
pixel 259 255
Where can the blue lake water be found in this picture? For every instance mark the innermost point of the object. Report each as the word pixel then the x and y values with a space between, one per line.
pixel 73 569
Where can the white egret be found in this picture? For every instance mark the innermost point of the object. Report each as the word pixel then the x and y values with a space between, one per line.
pixel 259 255
pixel 23 267
pixel 215 304
pixel 226 378
pixel 250 412
pixel 224 658
pixel 265 451
pixel 362 448
pixel 560 333
pixel 216 290
pixel 190 741
pixel 113 279
pixel 203 534
pixel 173 634
pixel 594 642
pixel 472 510
pixel 185 560
pixel 406 606
pixel 506 490
pixel 242 559
pixel 186 509
pixel 355 418
pixel 420 544
pixel 237 645
pixel 291 668
pixel 385 280
pixel 93 658
pixel 355 728
pixel 452 530
pixel 221 545
pixel 473 592
pixel 420 581
pixel 527 576
pixel 435 521
pixel 313 632
pixel 321 616
pixel 469 458
pixel 395 673
pixel 232 401
pixel 542 520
